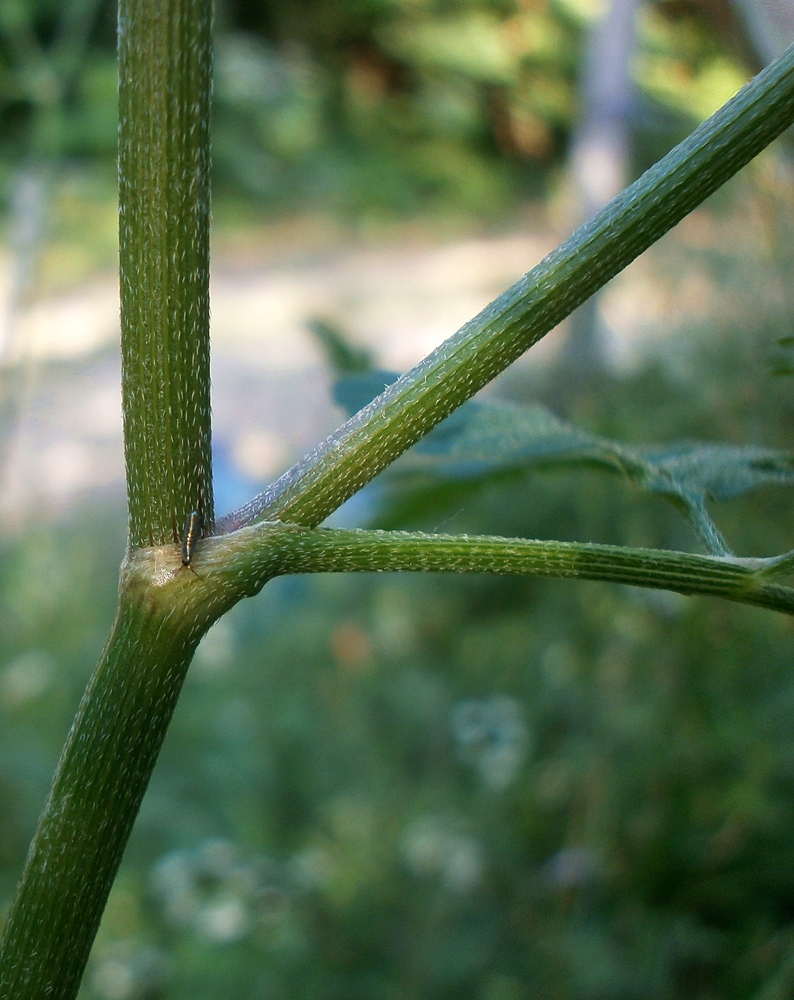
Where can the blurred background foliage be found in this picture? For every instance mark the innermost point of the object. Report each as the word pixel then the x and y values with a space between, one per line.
pixel 398 788
pixel 392 106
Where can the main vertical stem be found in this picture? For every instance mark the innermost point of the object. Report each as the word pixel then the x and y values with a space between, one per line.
pixel 101 778
pixel 165 71
pixel 165 81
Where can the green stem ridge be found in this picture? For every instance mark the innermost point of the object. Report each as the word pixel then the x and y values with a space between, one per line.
pixel 101 777
pixel 165 76
pixel 259 552
pixel 103 773
pixel 165 64
pixel 534 305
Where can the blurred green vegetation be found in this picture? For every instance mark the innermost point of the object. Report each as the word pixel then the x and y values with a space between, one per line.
pixel 396 788
pixel 437 787
pixel 366 108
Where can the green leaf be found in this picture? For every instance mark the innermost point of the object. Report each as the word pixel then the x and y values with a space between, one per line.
pixel 485 437
pixel 719 471
pixel 689 474
pixel 481 439
pixel 342 356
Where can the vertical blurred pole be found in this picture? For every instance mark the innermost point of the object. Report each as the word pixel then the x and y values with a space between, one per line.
pixel 769 25
pixel 600 161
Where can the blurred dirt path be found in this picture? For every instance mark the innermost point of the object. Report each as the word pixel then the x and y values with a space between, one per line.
pixel 270 387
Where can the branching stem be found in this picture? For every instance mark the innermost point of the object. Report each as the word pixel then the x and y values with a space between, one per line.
pixel 259 552
pixel 533 306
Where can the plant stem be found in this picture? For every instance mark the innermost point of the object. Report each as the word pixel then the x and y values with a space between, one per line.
pixel 261 551
pixel 165 63
pixel 534 305
pixel 99 783
pixel 165 76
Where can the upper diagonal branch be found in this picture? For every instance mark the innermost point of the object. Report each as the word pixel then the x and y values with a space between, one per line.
pixel 596 252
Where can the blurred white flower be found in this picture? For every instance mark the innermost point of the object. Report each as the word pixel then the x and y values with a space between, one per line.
pixel 217 894
pixel 222 920
pixel 492 735
pixel 432 847
pixel 215 652
pixel 26 677
pixel 127 970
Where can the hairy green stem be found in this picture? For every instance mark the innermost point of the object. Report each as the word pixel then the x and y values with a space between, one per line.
pixel 165 62
pixel 505 329
pixel 258 552
pixel 103 774
pixel 103 771
pixel 165 75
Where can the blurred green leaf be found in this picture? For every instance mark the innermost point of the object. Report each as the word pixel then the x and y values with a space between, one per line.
pixel 718 471
pixel 481 439
pixel 473 43
pixel 342 356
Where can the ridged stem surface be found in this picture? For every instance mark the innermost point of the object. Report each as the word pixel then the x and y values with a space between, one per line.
pixel 165 68
pixel 102 776
pixel 534 305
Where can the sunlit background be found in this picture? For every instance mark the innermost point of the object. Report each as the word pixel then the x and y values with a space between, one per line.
pixel 429 788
